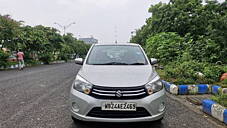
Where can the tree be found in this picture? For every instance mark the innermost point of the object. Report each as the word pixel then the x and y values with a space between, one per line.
pixel 9 28
pixel 39 42
pixel 206 24
pixel 167 47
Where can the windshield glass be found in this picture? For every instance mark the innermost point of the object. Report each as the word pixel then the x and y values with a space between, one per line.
pixel 116 55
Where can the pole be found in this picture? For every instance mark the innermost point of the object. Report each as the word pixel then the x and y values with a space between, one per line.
pixel 64 27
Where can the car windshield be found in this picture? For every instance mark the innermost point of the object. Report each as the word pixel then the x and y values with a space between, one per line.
pixel 116 55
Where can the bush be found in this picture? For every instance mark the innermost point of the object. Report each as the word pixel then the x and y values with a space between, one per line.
pixel 64 57
pixel 213 72
pixel 32 62
pixel 165 46
pixel 3 58
pixel 224 83
pixel 204 49
pixel 221 99
pixel 46 58
pixel 225 68
pixel 187 72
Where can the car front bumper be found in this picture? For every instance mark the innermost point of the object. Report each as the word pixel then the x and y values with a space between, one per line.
pixel 85 103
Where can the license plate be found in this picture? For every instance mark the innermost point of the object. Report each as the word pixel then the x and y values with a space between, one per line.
pixel 112 106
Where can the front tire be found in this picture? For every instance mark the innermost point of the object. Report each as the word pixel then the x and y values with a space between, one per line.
pixel 75 120
pixel 159 120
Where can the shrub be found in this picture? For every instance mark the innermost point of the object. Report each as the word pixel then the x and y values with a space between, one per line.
pixel 225 68
pixel 224 83
pixel 64 56
pixel 27 57
pixel 3 58
pixel 46 58
pixel 221 99
pixel 187 72
pixel 213 72
pixel 165 46
pixel 32 62
pixel 204 49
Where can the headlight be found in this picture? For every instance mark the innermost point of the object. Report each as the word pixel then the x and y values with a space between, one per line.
pixel 81 85
pixel 154 87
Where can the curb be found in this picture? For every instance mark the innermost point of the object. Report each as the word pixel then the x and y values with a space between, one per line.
pixel 208 106
pixel 197 111
pixel 15 66
pixel 215 110
pixel 58 62
pixel 194 89
pixel 29 65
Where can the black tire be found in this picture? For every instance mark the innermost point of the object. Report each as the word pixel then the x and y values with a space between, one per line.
pixel 159 120
pixel 75 120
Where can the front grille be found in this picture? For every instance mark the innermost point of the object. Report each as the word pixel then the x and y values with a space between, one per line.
pixel 97 112
pixel 127 93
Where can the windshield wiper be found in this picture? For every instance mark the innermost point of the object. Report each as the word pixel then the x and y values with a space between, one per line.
pixel 119 63
pixel 113 63
pixel 137 64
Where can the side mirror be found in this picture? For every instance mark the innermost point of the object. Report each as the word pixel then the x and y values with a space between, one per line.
pixel 153 61
pixel 79 61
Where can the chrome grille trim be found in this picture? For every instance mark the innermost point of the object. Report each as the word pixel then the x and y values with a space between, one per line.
pixel 134 94
pixel 142 90
pixel 101 92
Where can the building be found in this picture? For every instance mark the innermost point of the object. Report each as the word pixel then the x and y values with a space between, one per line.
pixel 90 40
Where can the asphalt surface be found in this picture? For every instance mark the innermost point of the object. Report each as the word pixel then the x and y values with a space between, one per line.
pixel 37 97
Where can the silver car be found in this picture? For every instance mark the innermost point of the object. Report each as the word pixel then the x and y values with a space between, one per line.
pixel 117 83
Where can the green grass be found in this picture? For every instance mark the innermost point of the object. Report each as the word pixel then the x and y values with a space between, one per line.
pixel 161 73
pixel 178 81
pixel 223 84
pixel 221 99
pixel 225 68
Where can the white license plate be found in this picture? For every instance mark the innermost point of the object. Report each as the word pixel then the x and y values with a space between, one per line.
pixel 112 106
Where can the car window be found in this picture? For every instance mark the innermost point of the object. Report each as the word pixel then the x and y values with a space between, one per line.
pixel 116 55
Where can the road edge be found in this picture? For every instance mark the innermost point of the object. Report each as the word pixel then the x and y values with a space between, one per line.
pixel 197 111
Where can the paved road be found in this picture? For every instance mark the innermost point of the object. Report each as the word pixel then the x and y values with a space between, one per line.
pixel 37 97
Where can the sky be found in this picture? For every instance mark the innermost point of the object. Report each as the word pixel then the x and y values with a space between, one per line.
pixel 106 20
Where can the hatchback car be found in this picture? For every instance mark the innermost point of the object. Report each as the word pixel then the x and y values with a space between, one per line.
pixel 117 83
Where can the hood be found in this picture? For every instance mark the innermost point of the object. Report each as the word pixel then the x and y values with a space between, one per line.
pixel 118 76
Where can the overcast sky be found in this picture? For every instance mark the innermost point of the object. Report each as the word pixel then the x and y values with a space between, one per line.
pixel 102 19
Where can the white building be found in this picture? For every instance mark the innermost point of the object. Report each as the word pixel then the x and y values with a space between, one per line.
pixel 90 40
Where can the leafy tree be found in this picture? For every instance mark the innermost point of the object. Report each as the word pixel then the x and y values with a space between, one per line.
pixel 9 28
pixel 3 58
pixel 204 27
pixel 204 49
pixel 39 42
pixel 165 46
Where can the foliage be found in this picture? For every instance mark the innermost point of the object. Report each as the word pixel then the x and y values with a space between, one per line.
pixel 221 99
pixel 9 28
pixel 3 58
pixel 189 37
pixel 203 27
pixel 39 42
pixel 224 83
pixel 46 58
pixel 225 68
pixel 165 46
pixel 32 62
pixel 204 49
pixel 187 72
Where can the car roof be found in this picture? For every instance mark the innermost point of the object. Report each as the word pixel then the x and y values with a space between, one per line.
pixel 130 44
